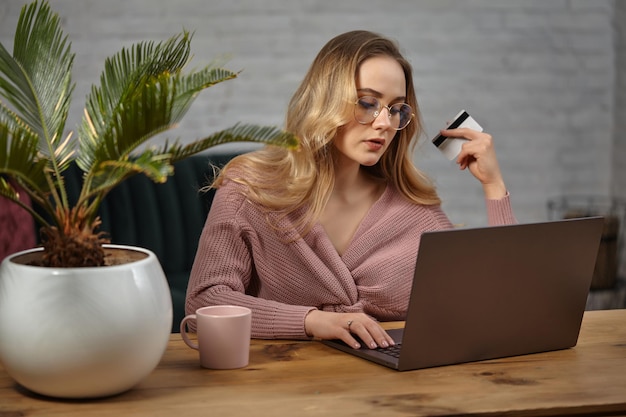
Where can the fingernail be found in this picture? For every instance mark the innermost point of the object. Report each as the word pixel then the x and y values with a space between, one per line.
pixel 373 345
pixel 357 346
pixel 384 344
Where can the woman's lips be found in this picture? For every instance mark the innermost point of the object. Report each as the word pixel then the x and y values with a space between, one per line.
pixel 375 144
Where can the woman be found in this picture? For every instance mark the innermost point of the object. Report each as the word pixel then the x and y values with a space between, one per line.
pixel 321 242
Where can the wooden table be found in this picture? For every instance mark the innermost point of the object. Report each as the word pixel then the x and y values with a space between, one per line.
pixel 291 378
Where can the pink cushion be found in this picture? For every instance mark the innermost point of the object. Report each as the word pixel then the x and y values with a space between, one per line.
pixel 17 228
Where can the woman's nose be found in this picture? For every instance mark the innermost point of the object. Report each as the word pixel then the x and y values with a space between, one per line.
pixel 382 120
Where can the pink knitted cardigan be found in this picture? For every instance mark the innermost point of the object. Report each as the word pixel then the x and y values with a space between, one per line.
pixel 243 260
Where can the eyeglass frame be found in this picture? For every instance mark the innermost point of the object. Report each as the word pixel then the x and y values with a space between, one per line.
pixel 378 112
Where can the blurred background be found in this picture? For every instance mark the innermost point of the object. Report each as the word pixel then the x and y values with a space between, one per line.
pixel 546 78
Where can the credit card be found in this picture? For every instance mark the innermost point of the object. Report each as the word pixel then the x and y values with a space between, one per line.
pixel 451 147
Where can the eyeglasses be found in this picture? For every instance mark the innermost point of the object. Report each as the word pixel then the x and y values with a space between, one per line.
pixel 367 109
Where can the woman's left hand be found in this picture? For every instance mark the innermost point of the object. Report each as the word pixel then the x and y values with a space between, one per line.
pixel 479 156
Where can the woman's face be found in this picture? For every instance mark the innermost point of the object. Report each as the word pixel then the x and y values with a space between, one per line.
pixel 381 77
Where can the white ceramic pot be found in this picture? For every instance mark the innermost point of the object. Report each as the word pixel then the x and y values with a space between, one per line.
pixel 83 332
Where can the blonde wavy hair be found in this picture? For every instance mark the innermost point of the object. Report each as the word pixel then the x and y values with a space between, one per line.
pixel 301 181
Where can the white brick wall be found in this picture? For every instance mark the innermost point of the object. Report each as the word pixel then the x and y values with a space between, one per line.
pixel 539 75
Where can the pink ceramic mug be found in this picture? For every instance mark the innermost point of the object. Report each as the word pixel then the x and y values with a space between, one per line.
pixel 223 336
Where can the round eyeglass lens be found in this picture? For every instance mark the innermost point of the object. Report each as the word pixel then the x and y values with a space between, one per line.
pixel 400 115
pixel 368 108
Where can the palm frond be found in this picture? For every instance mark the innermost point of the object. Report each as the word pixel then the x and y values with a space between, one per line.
pixel 12 119
pixel 188 87
pixel 123 84
pixel 18 157
pixel 125 73
pixel 36 80
pixel 238 133
pixel 109 174
pixel 134 122
pixel 18 160
pixel 7 191
pixel 159 105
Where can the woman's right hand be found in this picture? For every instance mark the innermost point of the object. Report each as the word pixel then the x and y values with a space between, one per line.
pixel 327 325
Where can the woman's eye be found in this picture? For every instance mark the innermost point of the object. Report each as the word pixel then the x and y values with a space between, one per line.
pixel 402 109
pixel 368 104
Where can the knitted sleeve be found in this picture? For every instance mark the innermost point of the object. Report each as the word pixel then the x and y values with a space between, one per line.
pixel 500 212
pixel 223 272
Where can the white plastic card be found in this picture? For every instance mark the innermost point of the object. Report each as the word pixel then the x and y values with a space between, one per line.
pixel 451 147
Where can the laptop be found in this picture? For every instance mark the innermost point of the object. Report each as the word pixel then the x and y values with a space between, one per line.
pixel 494 292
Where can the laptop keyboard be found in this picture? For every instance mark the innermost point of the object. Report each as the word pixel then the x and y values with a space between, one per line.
pixel 391 350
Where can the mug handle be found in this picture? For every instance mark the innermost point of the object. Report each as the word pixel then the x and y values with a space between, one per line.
pixel 183 331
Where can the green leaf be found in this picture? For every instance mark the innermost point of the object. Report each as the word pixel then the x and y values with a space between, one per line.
pixel 239 133
pixel 7 191
pixel 18 157
pixel 36 80
pixel 188 87
pixel 127 109
pixel 107 175
pixel 138 81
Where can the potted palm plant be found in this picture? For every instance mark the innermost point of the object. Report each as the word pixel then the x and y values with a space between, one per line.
pixel 75 321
